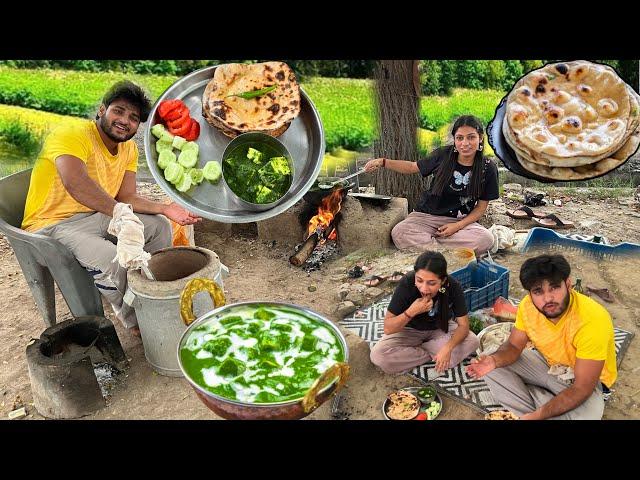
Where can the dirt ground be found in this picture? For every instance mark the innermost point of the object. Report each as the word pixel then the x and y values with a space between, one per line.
pixel 261 271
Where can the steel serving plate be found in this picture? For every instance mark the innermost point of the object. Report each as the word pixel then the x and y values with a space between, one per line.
pixel 413 391
pixel 304 139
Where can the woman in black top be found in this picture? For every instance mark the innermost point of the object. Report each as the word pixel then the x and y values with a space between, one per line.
pixel 426 320
pixel 461 185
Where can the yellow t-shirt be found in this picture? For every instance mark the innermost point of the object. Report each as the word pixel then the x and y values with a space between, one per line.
pixel 48 202
pixel 584 331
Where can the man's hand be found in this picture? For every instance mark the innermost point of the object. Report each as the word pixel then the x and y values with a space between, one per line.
pixel 175 212
pixel 448 229
pixel 480 366
pixel 442 359
pixel 535 415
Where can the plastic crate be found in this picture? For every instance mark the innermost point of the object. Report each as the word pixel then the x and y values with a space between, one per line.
pixel 483 282
pixel 550 240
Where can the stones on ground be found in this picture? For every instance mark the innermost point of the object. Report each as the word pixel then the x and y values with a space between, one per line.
pixel 373 292
pixel 589 223
pixel 557 202
pixel 355 297
pixel 512 187
pixel 345 308
pixel 19 413
pixel 312 288
pixel 343 291
pixel 337 278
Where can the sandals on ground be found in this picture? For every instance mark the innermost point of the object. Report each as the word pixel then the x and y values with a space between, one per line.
pixel 525 213
pixel 553 222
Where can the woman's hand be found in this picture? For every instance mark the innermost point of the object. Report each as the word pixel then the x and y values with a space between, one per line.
pixel 419 306
pixel 372 165
pixel 175 212
pixel 442 358
pixel 448 229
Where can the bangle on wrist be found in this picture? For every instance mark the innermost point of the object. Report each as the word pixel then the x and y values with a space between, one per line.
pixel 410 317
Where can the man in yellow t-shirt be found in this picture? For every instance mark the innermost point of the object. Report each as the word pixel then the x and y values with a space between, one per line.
pixel 574 349
pixel 81 174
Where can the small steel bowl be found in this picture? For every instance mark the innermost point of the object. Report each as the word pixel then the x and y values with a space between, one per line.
pixel 256 139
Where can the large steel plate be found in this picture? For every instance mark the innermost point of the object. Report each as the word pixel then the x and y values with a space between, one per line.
pixel 304 139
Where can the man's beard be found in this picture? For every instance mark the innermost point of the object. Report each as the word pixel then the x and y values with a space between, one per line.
pixel 564 305
pixel 108 130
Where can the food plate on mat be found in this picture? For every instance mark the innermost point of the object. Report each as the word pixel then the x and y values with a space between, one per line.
pixel 403 404
pixel 301 133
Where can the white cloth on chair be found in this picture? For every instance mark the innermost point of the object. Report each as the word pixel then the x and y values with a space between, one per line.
pixel 129 230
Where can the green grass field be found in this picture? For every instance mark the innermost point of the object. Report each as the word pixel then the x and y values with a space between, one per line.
pixel 40 99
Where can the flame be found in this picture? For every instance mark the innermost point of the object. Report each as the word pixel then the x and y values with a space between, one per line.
pixel 328 209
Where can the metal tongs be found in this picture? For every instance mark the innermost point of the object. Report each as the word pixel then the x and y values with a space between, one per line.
pixel 327 186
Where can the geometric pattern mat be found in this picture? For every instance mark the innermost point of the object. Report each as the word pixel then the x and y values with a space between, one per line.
pixel 367 323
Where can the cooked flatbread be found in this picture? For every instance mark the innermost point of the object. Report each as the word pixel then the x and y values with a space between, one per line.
pixel 500 415
pixel 270 113
pixel 575 110
pixel 554 161
pixel 585 172
pixel 402 405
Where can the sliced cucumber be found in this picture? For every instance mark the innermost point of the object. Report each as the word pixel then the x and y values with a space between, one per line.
pixel 188 158
pixel 184 184
pixel 173 173
pixel 196 175
pixel 157 130
pixel 167 137
pixel 191 146
pixel 165 158
pixel 212 171
pixel 178 142
pixel 163 145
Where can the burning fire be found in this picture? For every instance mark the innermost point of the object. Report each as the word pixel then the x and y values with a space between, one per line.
pixel 327 211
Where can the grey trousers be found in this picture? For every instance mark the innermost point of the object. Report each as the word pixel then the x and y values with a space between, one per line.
pixel 525 385
pixel 409 348
pixel 85 234
pixel 420 229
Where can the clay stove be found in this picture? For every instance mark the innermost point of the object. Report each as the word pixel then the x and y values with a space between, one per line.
pixel 63 364
pixel 322 227
pixel 359 224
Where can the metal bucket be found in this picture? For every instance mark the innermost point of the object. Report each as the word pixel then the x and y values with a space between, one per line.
pixel 157 302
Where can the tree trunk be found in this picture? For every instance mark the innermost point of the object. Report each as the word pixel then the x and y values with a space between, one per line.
pixel 397 101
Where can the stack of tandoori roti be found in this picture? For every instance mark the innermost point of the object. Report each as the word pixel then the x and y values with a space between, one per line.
pixel 232 101
pixel 572 120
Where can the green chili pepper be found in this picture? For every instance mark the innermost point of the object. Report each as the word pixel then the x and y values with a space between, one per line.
pixel 254 93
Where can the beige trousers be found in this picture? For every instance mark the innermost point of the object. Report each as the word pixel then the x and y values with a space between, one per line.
pixel 85 234
pixel 420 229
pixel 409 348
pixel 525 385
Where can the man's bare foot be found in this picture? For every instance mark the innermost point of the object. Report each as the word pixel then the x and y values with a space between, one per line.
pixel 135 331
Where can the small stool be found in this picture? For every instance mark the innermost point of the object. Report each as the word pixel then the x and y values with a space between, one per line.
pixel 63 380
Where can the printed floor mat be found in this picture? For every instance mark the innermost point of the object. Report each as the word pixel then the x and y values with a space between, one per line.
pixel 367 323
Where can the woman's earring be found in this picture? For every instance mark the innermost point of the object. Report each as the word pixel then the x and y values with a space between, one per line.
pixel 442 289
pixel 480 147
pixel 455 149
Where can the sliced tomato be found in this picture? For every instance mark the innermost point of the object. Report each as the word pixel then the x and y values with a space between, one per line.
pixel 175 113
pixel 167 105
pixel 182 129
pixel 194 131
pixel 422 416
pixel 181 120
